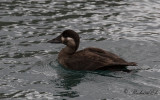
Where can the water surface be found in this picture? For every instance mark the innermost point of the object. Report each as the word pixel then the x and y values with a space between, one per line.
pixel 28 65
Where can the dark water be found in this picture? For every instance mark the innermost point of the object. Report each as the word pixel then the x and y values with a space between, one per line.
pixel 28 65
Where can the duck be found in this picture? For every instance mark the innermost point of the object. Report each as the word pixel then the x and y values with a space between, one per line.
pixel 90 58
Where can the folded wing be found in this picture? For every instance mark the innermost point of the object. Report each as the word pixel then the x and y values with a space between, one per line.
pixel 93 59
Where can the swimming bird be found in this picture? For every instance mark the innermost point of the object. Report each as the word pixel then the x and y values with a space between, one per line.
pixel 90 58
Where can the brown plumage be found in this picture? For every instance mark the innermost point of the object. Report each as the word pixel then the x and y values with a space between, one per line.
pixel 86 59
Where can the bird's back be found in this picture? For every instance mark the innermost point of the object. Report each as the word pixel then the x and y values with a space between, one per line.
pixel 94 59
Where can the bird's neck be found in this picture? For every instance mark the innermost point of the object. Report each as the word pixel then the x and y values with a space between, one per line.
pixel 69 50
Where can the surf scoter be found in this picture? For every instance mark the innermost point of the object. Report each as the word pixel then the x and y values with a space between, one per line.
pixel 87 59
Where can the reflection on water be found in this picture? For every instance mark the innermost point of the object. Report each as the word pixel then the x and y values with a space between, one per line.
pixel 28 65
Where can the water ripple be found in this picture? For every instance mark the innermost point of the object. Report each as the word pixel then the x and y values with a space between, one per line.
pixel 28 65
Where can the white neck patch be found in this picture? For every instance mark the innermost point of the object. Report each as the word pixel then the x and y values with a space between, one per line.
pixel 70 41
pixel 62 38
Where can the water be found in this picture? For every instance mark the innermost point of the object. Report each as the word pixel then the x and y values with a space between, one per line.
pixel 28 65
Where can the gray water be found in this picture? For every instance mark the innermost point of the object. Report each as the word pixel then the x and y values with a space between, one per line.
pixel 28 65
